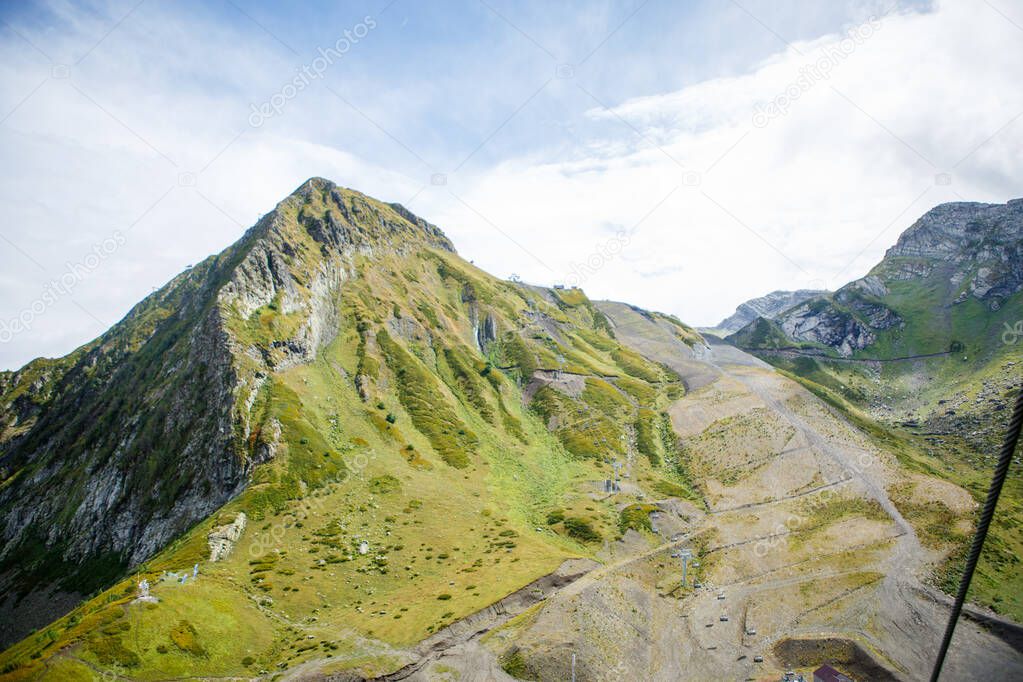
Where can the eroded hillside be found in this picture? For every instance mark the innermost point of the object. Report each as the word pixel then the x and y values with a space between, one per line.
pixel 813 545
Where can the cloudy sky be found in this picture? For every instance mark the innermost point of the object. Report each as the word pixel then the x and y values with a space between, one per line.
pixel 680 156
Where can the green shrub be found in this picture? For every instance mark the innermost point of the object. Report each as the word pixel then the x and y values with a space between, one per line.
pixel 646 435
pixel 517 354
pixel 644 393
pixel 580 529
pixel 605 397
pixel 429 314
pixel 382 485
pixel 515 665
pixel 674 391
pixel 635 364
pixel 110 650
pixel 636 517
pixel 569 298
pixel 585 432
pixel 467 381
pixel 669 489
pixel 185 637
pixel 601 323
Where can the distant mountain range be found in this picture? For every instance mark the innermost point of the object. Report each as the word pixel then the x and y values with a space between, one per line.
pixel 769 307
pixel 941 285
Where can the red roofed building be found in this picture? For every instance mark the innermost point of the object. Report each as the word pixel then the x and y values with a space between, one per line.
pixel 826 673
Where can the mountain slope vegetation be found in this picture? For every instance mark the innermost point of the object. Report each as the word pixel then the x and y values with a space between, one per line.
pixel 338 450
pixel 396 432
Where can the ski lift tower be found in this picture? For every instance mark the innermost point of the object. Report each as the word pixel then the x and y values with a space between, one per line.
pixel 684 555
pixel 617 475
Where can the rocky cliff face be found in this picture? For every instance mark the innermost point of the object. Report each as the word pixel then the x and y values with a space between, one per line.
pixel 123 447
pixel 954 253
pixel 769 306
pixel 977 247
pixel 110 453
pixel 828 326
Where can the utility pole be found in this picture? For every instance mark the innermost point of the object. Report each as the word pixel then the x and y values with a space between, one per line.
pixel 573 667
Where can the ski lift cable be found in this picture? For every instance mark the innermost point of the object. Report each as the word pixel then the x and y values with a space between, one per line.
pixel 1004 460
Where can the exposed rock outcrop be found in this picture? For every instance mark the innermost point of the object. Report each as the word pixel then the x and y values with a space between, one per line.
pixel 769 306
pixel 222 539
pixel 954 252
pixel 826 325
pixel 485 329
pixel 978 248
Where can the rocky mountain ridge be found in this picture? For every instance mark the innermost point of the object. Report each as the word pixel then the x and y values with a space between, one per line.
pixel 981 244
pixel 954 253
pixel 768 306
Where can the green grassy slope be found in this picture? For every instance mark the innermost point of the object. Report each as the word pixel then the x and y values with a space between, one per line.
pixel 402 432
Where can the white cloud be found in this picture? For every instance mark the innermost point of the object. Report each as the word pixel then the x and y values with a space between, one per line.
pixel 793 204
pixel 112 148
pixel 783 206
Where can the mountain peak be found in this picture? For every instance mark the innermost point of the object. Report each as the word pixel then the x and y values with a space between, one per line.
pixel 342 217
pixel 955 253
pixel 960 230
pixel 195 352
pixel 769 306
pixel 314 183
